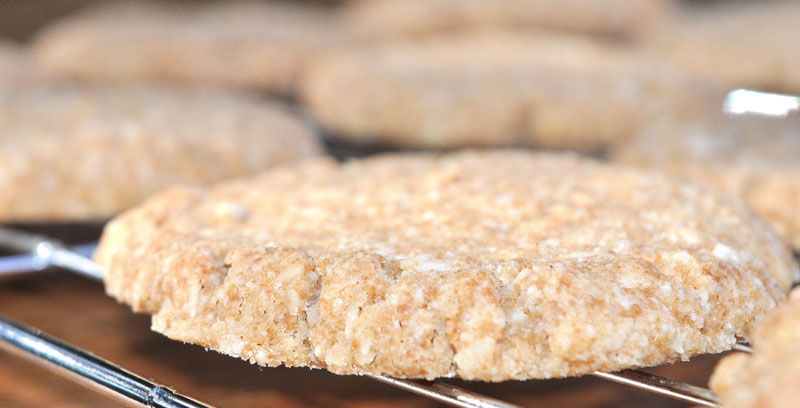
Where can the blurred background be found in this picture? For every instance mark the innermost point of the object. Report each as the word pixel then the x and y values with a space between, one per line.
pixel 20 18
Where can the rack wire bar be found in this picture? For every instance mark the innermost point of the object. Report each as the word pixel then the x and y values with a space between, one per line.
pixel 89 369
pixel 662 386
pixel 17 264
pixel 47 252
pixel 747 102
pixel 445 393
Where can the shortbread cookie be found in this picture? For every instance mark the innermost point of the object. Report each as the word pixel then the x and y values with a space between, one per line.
pixel 488 266
pixel 740 44
pixel 385 18
pixel 753 157
pixel 770 377
pixel 497 89
pixel 256 44
pixel 85 154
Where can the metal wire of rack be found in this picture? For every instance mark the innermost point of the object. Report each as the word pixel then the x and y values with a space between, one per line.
pixel 91 370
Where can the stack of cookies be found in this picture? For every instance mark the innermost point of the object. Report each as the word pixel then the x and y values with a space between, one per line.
pixel 666 231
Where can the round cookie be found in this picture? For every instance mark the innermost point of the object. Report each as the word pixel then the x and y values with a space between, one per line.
pixel 497 89
pixel 252 44
pixel 482 265
pixel 753 157
pixel 624 18
pixel 740 44
pixel 70 153
pixel 770 376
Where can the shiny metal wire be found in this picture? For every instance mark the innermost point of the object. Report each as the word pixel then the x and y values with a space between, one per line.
pixel 113 380
pixel 749 102
pixel 47 252
pixel 666 387
pixel 442 392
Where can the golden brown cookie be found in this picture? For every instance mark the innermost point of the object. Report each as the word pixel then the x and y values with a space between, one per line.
pixel 252 44
pixel 498 89
pixel 72 153
pixel 740 44
pixel 385 18
pixel 482 265
pixel 770 377
pixel 753 157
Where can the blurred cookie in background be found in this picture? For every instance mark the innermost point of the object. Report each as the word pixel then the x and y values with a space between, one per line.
pixel 770 376
pixel 620 18
pixel 248 44
pixel 84 154
pixel 740 44
pixel 497 88
pixel 16 65
pixel 755 157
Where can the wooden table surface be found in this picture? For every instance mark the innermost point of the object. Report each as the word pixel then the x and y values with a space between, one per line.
pixel 77 311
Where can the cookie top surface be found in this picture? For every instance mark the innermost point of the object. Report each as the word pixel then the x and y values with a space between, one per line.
pixel 491 266
pixel 250 44
pixel 765 58
pixel 497 88
pixel 617 17
pixel 767 378
pixel 751 156
pixel 80 153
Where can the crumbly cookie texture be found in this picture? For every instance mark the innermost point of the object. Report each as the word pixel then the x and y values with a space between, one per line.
pixel 766 58
pixel 753 157
pixel 482 265
pixel 252 44
pixel 498 89
pixel 71 153
pixel 623 18
pixel 770 377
